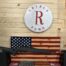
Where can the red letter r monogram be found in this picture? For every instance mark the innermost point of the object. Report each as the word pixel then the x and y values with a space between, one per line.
pixel 39 16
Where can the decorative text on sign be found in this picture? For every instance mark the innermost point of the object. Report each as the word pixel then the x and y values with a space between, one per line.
pixel 38 18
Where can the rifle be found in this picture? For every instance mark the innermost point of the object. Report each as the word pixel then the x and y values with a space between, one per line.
pixel 34 50
pixel 8 50
pixel 26 49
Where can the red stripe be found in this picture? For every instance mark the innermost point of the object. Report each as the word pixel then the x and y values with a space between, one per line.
pixel 35 57
pixel 44 61
pixel 46 37
pixel 38 61
pixel 37 53
pixel 45 41
pixel 45 45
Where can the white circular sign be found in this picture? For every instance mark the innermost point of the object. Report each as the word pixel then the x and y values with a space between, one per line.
pixel 38 18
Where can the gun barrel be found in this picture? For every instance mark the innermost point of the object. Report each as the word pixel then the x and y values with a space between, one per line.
pixel 8 50
pixel 34 50
pixel 26 49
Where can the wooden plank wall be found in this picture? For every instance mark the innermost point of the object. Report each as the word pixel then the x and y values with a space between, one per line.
pixel 63 45
pixel 12 19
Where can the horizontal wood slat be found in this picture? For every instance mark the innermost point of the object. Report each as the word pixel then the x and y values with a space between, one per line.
pixel 46 41
pixel 45 46
pixel 46 37
pixel 45 60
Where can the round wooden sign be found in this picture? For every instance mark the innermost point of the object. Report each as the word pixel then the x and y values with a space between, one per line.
pixel 38 18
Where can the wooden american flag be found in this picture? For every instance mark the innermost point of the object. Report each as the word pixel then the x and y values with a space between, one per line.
pixel 49 43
